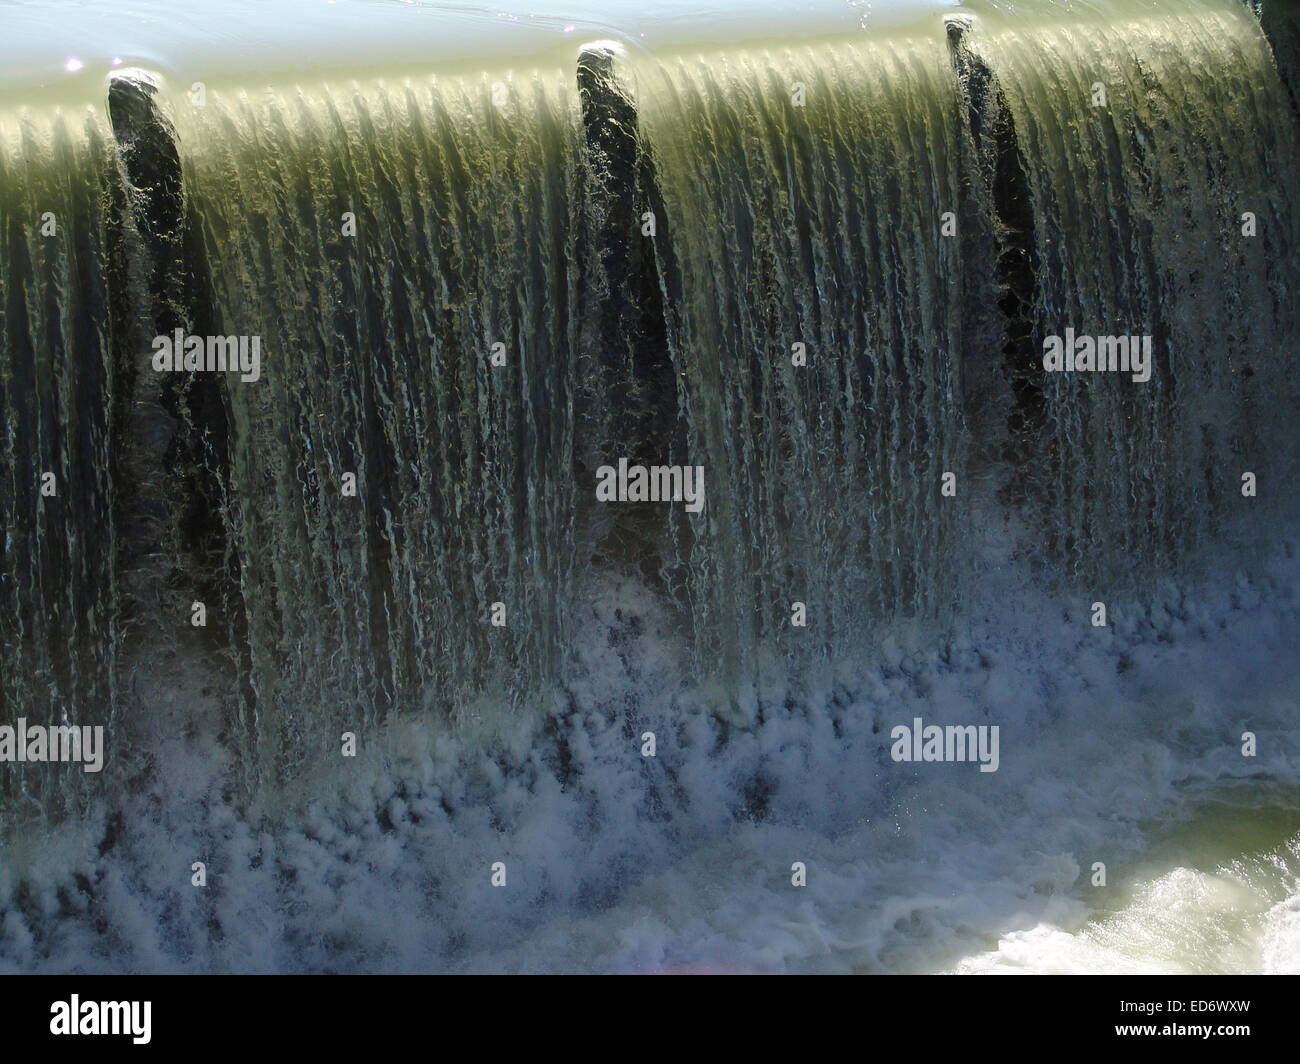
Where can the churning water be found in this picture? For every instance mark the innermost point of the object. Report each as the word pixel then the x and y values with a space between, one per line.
pixel 819 266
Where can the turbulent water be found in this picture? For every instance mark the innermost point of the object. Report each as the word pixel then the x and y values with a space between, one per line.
pixel 820 269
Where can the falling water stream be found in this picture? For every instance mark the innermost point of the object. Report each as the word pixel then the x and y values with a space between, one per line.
pixel 822 269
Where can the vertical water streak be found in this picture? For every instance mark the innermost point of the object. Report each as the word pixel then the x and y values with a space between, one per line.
pixel 1137 207
pixel 815 223
pixel 376 361
pixel 63 223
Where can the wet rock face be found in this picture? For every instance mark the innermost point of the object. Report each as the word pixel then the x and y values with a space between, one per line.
pixel 1004 211
pixel 175 435
pixel 630 407
pixel 1280 20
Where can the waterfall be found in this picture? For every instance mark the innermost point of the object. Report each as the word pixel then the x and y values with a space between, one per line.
pixel 1128 216
pixel 426 308
pixel 401 249
pixel 803 193
pixel 65 300
pixel 858 248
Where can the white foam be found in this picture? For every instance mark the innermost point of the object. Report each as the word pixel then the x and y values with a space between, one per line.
pixel 627 864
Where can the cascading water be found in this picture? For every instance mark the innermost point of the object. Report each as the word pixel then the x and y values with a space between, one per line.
pixel 822 270
pixel 400 249
pixel 1132 137
pixel 62 203
pixel 814 325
